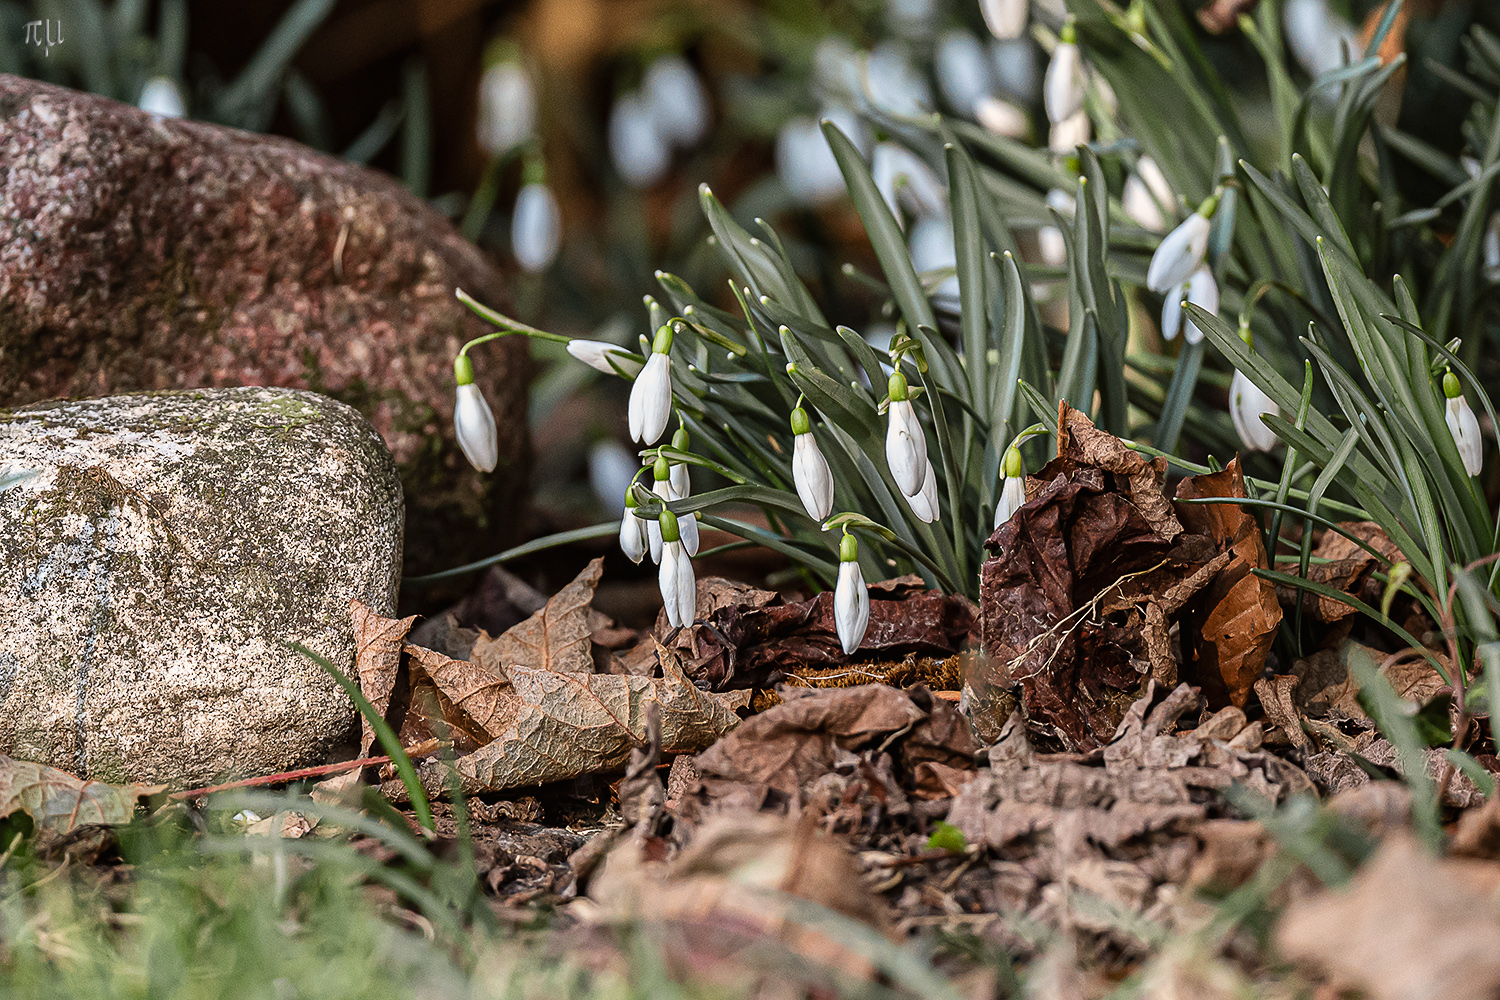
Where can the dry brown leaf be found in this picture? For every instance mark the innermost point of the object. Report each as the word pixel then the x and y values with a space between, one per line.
pixel 558 637
pixel 377 660
pixel 58 803
pixel 551 725
pixel 1408 927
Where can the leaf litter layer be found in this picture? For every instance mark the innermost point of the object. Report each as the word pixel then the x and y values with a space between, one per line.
pixel 1091 775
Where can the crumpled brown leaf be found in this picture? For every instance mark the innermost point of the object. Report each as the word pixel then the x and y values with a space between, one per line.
pixel 1408 927
pixel 1087 580
pixel 756 642
pixel 1346 566
pixel 377 660
pixel 527 708
pixel 59 803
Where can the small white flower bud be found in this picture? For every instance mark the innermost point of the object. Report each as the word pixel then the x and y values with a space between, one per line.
pixel 851 598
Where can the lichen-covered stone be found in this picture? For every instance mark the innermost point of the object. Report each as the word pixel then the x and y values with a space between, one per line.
pixel 153 571
pixel 139 253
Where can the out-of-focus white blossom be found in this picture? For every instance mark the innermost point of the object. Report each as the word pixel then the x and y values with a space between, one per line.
pixel 507 107
pixel 932 249
pixel 963 71
pixel 161 97
pixel 1002 118
pixel 640 154
pixel 1018 72
pixel 536 228
pixel 893 84
pixel 1066 136
pixel 1317 35
pixel 1006 19
pixel 677 100
pixel 903 178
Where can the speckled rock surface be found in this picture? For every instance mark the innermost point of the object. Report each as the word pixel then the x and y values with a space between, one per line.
pixel 152 571
pixel 139 253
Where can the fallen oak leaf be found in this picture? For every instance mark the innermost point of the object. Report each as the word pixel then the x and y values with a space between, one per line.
pixel 58 803
pixel 558 637
pixel 551 725
pixel 377 661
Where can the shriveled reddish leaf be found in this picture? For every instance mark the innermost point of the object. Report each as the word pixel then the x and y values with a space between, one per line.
pixel 756 644
pixel 377 660
pixel 59 803
pixel 1228 631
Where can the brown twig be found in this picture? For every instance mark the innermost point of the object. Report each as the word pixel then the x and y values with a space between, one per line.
pixel 285 777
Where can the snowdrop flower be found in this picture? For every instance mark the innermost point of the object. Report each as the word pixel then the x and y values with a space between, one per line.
pixel 1146 194
pixel 903 178
pixel 632 531
pixel 681 484
pixel 473 423
pixel 1202 291
pixel 507 107
pixel 666 491
pixel 679 589
pixel 1246 405
pixel 851 598
pixel 161 97
pixel 1013 492
pixel 612 468
pixel 905 444
pixel 604 357
pixel 1067 135
pixel 639 153
pixel 1005 18
pixel 963 72
pixel 804 161
pixel 677 101
pixel 909 17
pixel 810 472
pixel 1317 35
pixel 651 397
pixel 836 69
pixel 536 228
pixel 1062 86
pixel 932 249
pixel 1016 70
pixel 1181 251
pixel 924 503
pixel 1463 425
pixel 1002 118
pixel 892 84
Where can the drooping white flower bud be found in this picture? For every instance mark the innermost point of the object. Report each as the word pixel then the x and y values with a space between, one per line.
pixel 963 71
pixel 1202 291
pixel 1181 252
pixel 604 357
pixel 473 423
pixel 161 97
pixel 810 472
pixel 1247 403
pixel 650 403
pixel 632 531
pixel 1002 118
pixel 905 443
pixel 1062 86
pixel 679 588
pixel 1464 426
pixel 1005 18
pixel 924 503
pixel 1013 492
pixel 851 598
pixel 681 484
pixel 661 486
pixel 1147 196
pixel 1067 135
pixel 677 101
pixel 892 84
pixel 640 154
pixel 507 107
pixel 536 228
pixel 903 178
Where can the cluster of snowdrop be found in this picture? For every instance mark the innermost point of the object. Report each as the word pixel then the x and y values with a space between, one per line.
pixel 670 111
pixel 507 126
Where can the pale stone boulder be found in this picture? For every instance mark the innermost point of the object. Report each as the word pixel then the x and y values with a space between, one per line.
pixel 156 565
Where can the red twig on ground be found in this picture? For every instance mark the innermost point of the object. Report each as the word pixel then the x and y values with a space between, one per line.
pixel 284 777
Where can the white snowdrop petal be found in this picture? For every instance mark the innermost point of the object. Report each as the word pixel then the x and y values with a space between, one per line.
pixel 1464 427
pixel 851 606
pixel 905 446
pixel 1002 118
pixel 507 108
pixel 1067 135
pixel 1062 86
pixel 1179 254
pixel 1246 405
pixel 474 425
pixel 1012 499
pixel 1005 18
pixel 812 477
pixel 639 152
pixel 650 404
pixel 536 228
pixel 1202 291
pixel 161 97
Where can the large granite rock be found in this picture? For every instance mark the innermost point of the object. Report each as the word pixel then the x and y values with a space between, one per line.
pixel 152 572
pixel 138 253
